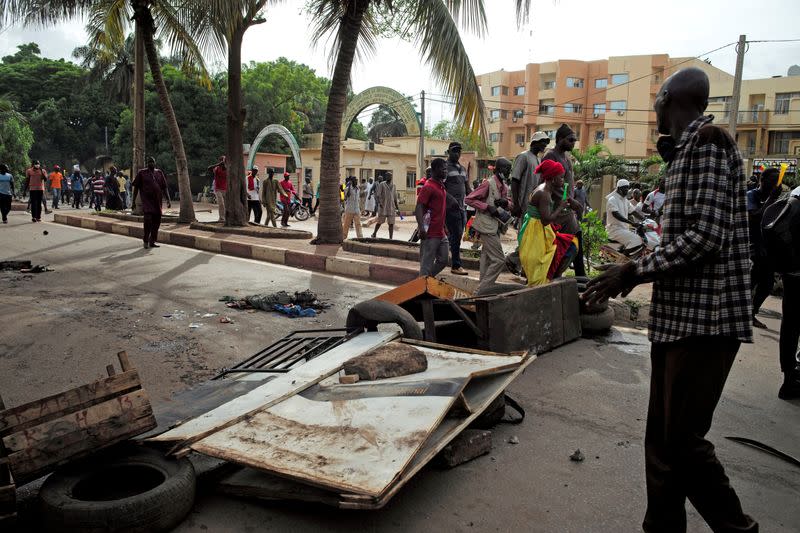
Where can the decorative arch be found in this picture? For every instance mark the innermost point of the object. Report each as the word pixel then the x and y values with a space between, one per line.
pixel 385 96
pixel 287 136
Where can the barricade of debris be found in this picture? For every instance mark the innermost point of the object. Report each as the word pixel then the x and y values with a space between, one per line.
pixel 301 304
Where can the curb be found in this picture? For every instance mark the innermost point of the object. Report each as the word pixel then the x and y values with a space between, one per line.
pixel 227 245
pixel 399 250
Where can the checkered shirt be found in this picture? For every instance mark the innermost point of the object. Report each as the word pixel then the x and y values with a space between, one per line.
pixel 701 270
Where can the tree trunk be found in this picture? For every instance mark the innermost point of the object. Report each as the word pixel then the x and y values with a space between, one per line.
pixel 145 20
pixel 236 195
pixel 137 162
pixel 329 226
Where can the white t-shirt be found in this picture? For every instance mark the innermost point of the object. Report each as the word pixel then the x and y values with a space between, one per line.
pixel 655 200
pixel 253 195
pixel 622 206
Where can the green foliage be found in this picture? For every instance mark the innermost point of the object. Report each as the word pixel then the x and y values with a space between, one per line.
pixel 469 140
pixel 357 131
pixel 595 162
pixel 652 169
pixel 28 79
pixel 594 236
pixel 16 139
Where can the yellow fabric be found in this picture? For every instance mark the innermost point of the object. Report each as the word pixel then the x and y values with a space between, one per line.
pixel 536 250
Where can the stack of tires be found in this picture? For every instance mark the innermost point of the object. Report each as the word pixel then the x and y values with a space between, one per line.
pixel 596 319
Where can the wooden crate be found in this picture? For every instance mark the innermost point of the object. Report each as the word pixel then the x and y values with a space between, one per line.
pixel 41 435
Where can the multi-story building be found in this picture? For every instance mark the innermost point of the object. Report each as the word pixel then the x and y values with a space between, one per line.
pixel 610 101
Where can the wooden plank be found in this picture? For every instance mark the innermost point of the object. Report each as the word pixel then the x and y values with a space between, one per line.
pixel 274 391
pixel 124 363
pixel 51 407
pixel 467 320
pixel 251 483
pixel 430 320
pixel 459 349
pixel 83 421
pixel 110 370
pixel 8 498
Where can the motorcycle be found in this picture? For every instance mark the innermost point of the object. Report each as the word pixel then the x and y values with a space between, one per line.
pixel 648 230
pixel 296 210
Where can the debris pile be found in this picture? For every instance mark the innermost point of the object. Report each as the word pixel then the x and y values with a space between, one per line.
pixel 301 304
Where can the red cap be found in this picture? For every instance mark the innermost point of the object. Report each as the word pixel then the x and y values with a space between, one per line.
pixel 286 174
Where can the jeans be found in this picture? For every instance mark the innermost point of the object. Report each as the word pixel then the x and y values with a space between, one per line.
pixel 36 204
pixel 152 221
pixel 254 206
pixel 762 279
pixel 686 383
pixel 77 197
pixel 307 203
pixel 493 261
pixel 432 256
pixel 5 205
pixel 790 325
pixel 56 198
pixel 455 221
pixel 97 199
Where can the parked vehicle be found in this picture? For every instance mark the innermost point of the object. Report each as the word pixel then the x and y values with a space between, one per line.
pixel 296 210
pixel 648 230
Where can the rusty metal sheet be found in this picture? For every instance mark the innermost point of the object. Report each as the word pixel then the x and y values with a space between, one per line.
pixel 423 286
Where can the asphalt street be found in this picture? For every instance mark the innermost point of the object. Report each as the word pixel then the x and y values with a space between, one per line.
pixel 106 294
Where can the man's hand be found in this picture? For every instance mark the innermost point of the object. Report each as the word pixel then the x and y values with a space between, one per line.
pixel 423 234
pixel 615 279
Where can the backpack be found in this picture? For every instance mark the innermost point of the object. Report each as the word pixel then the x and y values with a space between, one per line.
pixel 780 228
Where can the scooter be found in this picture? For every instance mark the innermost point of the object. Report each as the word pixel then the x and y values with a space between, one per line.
pixel 296 209
pixel 648 230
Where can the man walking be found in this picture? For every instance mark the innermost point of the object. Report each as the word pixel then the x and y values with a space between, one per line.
pixel 386 199
pixel 98 190
pixel 6 192
pixel 490 196
pixel 122 182
pixel 269 191
pixel 77 187
pixel 458 186
pixel 151 185
pixel 762 273
pixel 253 195
pixel 430 212
pixel 54 180
pixel 287 192
pixel 220 185
pixel 352 207
pixel 700 312
pixel 35 180
pixel 308 195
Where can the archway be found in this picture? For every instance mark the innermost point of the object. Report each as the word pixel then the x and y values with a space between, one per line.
pixel 287 136
pixel 385 96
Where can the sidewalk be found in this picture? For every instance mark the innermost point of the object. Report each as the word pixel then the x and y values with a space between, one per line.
pixel 298 253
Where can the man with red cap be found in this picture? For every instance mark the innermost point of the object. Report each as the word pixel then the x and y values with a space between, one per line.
pixel 286 191
pixel 220 185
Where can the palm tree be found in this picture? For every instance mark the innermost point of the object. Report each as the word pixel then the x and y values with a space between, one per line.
pixel 434 23
pixel 598 161
pixel 108 21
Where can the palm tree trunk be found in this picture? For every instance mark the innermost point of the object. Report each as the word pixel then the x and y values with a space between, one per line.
pixel 137 162
pixel 329 227
pixel 236 195
pixel 145 20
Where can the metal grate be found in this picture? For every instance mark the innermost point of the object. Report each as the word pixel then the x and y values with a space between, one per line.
pixel 291 351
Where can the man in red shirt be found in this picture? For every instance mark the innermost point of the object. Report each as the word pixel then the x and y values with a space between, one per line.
pixel 220 185
pixel 35 179
pixel 430 215
pixel 151 185
pixel 285 192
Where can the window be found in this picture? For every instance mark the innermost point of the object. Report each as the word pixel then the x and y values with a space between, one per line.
pixel 546 107
pixel 599 109
pixel 519 138
pixel 411 180
pixel 495 137
pixel 364 173
pixel 504 90
pixel 519 90
pixel 782 102
pixel 573 108
pixel 599 136
pixel 616 79
pixel 518 113
pixel 575 82
pixel 308 172
pixel 496 90
pixel 616 133
pixel 618 105
pixel 779 141
pixel 503 114
pixel 549 85
pixel 601 83
pixel 494 114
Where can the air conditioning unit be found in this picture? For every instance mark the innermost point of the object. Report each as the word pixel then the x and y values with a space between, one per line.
pixel 620 113
pixel 596 115
pixel 618 140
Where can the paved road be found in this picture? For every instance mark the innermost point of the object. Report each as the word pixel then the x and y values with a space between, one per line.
pixel 61 328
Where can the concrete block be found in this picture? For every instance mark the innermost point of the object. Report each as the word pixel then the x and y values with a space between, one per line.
pixel 103 225
pixel 305 260
pixel 208 244
pixel 269 254
pixel 392 274
pixel 238 249
pixel 120 229
pixel 347 267
pixel 468 445
pixel 60 219
pixel 181 239
pixel 87 222
pixel 570 309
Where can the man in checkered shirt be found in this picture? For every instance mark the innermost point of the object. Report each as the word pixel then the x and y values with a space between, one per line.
pixel 700 312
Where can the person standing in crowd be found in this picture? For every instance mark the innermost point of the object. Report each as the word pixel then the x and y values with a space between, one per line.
pixel 122 183
pixel 66 190
pixel 431 212
pixel 762 273
pixel 386 198
pixel 98 190
pixel 6 192
pixel 308 195
pixel 637 205
pixel 35 180
pixel 618 223
pixel 487 199
pixel 580 196
pixel 369 200
pixel 150 185
pixel 253 195
pixel 654 202
pixel 352 208
pixel 316 196
pixel 700 312
pixel 458 186
pixel 220 173
pixel 88 189
pixel 112 196
pixel 565 142
pixel 54 181
pixel 269 191
pixel 77 187
pixel 287 192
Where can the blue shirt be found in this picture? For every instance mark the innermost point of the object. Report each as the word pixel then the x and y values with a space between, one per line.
pixel 5 184
pixel 77 182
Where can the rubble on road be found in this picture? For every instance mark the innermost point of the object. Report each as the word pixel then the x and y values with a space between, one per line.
pixel 301 304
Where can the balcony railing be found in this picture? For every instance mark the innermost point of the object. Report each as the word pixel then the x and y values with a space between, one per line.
pixel 745 117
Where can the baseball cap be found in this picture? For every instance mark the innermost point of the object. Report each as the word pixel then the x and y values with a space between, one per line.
pixel 454 144
pixel 254 167
pixel 286 174
pixel 623 183
pixel 539 136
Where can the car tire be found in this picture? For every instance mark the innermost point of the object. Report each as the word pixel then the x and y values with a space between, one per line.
pixel 597 322
pixel 129 488
pixel 367 315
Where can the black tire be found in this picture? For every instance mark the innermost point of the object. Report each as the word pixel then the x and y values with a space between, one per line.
pixel 597 322
pixel 152 493
pixel 301 214
pixel 367 315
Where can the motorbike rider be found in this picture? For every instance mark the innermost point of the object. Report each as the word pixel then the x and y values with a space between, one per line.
pixel 618 224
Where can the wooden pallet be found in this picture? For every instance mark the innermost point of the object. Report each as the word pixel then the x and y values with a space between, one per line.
pixel 41 435
pixel 8 489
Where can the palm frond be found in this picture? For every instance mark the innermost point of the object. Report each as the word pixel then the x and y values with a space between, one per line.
pixel 469 14
pixel 41 12
pixel 327 29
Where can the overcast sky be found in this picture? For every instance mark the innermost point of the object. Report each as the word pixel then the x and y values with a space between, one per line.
pixel 558 29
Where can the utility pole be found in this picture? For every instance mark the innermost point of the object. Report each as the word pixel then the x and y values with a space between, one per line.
pixel 737 86
pixel 421 157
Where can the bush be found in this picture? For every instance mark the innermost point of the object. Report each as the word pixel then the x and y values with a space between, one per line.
pixel 594 236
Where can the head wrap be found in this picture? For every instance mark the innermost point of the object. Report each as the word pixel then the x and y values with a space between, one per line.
pixel 563 131
pixel 549 169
